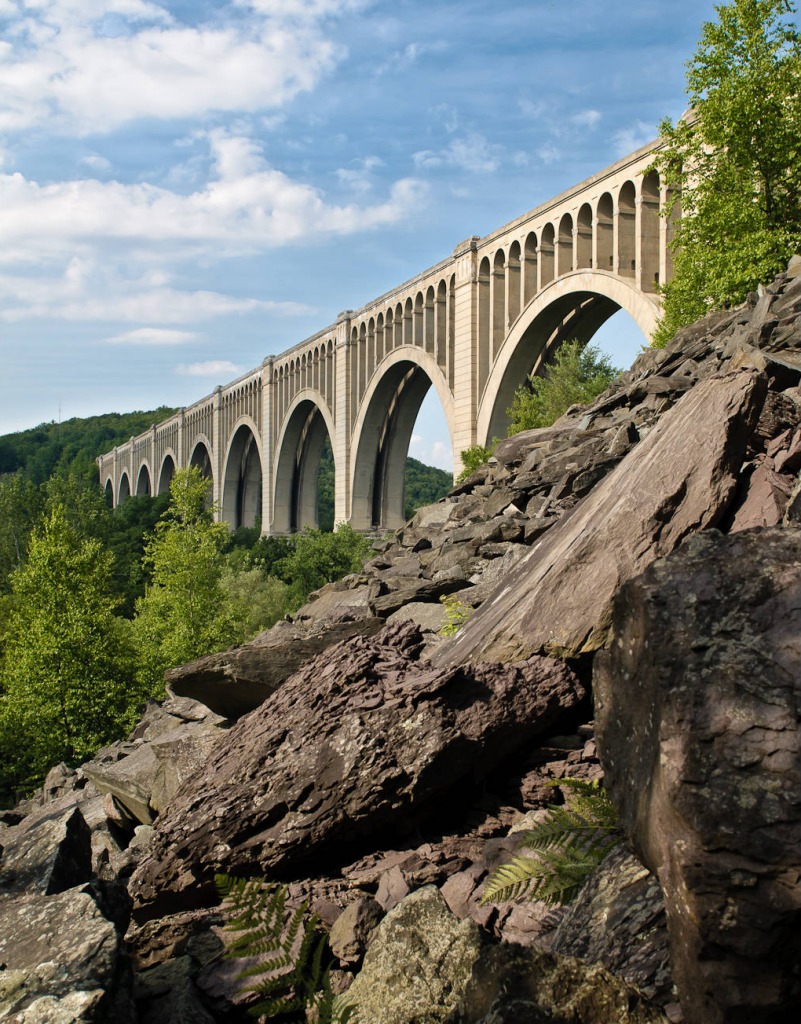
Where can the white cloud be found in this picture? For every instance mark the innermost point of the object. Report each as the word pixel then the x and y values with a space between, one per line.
pixel 212 368
pixel 471 152
pixel 359 177
pixel 246 207
pixel 152 336
pixel 586 118
pixel 627 140
pixel 96 162
pixel 96 290
pixel 90 66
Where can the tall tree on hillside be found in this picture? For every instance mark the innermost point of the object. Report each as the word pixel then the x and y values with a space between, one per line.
pixel 67 679
pixel 184 612
pixel 735 159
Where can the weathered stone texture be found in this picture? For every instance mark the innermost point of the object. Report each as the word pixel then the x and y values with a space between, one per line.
pixel 680 479
pixel 698 706
pixel 358 741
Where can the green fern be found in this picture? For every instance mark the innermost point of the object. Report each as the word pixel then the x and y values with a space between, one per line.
pixel 289 977
pixel 568 845
pixel 456 614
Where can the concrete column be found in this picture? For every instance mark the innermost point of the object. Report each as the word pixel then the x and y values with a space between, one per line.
pixel 465 385
pixel 340 442
pixel 216 455
pixel 180 455
pixel 638 243
pixel 616 237
pixel 267 444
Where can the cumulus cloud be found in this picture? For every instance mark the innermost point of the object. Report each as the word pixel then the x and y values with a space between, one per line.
pixel 223 368
pixel 246 206
pixel 94 65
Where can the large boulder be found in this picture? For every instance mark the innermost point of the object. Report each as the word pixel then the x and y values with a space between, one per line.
pixel 698 704
pixel 363 740
pixel 62 962
pixel 418 963
pixel 237 681
pixel 513 984
pixel 49 851
pixel 678 480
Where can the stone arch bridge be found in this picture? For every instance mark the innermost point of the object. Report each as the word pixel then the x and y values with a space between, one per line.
pixel 472 327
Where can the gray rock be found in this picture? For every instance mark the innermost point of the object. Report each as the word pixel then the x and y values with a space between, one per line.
pixel 680 479
pixel 48 852
pixel 512 984
pixel 618 920
pixel 418 963
pixel 61 957
pixel 708 782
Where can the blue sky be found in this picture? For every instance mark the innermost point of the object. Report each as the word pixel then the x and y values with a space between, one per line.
pixel 188 186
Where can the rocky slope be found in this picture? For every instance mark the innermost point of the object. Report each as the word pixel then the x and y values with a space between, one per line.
pixel 642 558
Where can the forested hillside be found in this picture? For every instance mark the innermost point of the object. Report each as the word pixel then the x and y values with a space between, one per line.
pixel 71 447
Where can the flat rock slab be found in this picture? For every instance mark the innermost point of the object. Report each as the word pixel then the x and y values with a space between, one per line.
pixel 708 781
pixel 680 479
pixel 355 743
pixel 237 681
pixel 60 957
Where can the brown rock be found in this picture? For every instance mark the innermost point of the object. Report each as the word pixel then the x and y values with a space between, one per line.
pixel 360 741
pixel 680 479
pixel 237 681
pixel 698 704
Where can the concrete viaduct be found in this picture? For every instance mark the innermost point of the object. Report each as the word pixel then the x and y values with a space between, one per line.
pixel 472 327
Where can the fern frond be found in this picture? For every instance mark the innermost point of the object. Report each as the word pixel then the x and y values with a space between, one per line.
pixel 289 976
pixel 568 844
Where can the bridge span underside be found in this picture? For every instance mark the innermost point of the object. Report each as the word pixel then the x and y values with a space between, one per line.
pixel 473 327
pixel 380 464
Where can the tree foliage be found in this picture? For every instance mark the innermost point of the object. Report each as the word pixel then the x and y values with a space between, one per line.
pixel 735 159
pixel 577 375
pixel 67 678
pixel 318 558
pixel 183 614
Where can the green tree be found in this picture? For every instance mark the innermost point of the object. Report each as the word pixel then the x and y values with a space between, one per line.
pixel 184 613
pixel 20 503
pixel 67 679
pixel 577 375
pixel 319 558
pixel 735 160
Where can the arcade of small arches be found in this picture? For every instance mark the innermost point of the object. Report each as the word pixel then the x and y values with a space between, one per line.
pixel 473 328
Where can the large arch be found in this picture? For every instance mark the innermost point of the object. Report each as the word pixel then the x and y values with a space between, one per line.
pixel 201 456
pixel 306 426
pixel 108 492
pixel 143 485
pixel 382 432
pixel 241 482
pixel 124 488
pixel 574 306
pixel 166 473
